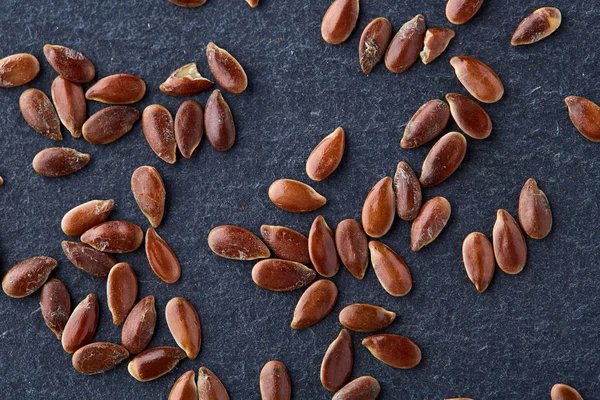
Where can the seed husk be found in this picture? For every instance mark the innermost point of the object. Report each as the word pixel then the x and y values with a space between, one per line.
pixel 436 41
pixel 149 192
pixel 560 391
pixel 117 89
pixel 426 124
pixel 443 159
pixel 226 70
pixel 408 192
pixel 478 78
pixel 390 268
pixel 286 243
pixel 535 215
pixel 275 382
pixel 510 248
pixel 70 64
pixel 585 115
pixel 185 81
pixel 326 156
pixel 469 116
pixel 218 122
pixel 189 127
pixel 339 21
pixel 337 363
pixel 295 196
pixel 373 43
pixel 81 326
pixel 122 290
pixel 362 388
pixel 184 387
pixel 210 386
pixel 184 324
pixel 88 259
pixel 110 124
pixel 161 257
pixel 18 69
pixel 404 48
pixel 352 247
pixel 379 209
pixel 114 237
pixel 69 101
pixel 315 304
pixel 235 243
pixel 155 362
pixel 39 113
pixel 321 248
pixel 85 216
pixel 252 3
pixel 188 3
pixel 159 130
pixel 55 304
pixel 430 222
pixel 460 11
pixel 366 317
pixel 98 357
pixel 537 26
pixel 139 326
pixel 59 161
pixel 478 257
pixel 28 276
pixel 394 350
pixel 281 275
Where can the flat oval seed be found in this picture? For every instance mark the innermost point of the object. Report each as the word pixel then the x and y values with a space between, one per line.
pixel 121 290
pixel 408 192
pixel 110 124
pixel 321 248
pixel 159 130
pixel 209 386
pixel 39 113
pixel 18 69
pixel 281 275
pixel 59 161
pixel 379 209
pixel 535 215
pixel 161 257
pixel 339 21
pixel 189 127
pixel 286 243
pixel 352 247
pixel 510 247
pixel 373 43
pixel 218 122
pixel 432 219
pixel 469 116
pixel 315 304
pixel 235 243
pixel 561 391
pixel 27 276
pixel 326 156
pixel 366 317
pixel 149 192
pixel 426 124
pixel 460 11
pixel 98 357
pixel 537 26
pixel 88 259
pixel 394 350
pixel 184 324
pixel 585 115
pixel 404 48
pixel 114 237
pixel 275 382
pixel 69 101
pixel 155 362
pixel 185 81
pixel 55 304
pixel 362 388
pixel 436 41
pixel 478 257
pixel 117 89
pixel 69 64
pixel 295 196
pixel 337 363
pixel 443 159
pixel 479 79
pixel 188 3
pixel 390 268
pixel 138 328
pixel 226 70
pixel 81 326
pixel 85 216
pixel 184 388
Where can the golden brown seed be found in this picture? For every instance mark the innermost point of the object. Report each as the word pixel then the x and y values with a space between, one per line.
pixel 188 3
pixel 59 161
pixel 352 247
pixel 117 89
pixel 139 326
pixel 479 79
pixel 315 304
pixel 159 130
pixel 281 275
pixel 426 124
pixel 184 388
pixel 432 219
pixel 339 21
pixel 326 156
pixel 510 247
pixel 69 64
pixel 149 192
pixel 469 116
pixel 286 243
pixel 189 127
pixel 98 357
pixel 18 69
pixel 114 237
pixel 155 362
pixel 362 388
pixel 537 26
pixel 275 382
pixel 390 268
pixel 337 363
pixel 404 48
pixel 27 276
pixel 394 350
pixel 110 124
pixel 161 257
pixel 55 304
pixel 226 70
pixel 88 259
pixel 81 326
pixel 478 257
pixel 366 317
pixel 436 41
pixel 295 196
pixel 185 81
pixel 460 11
pixel 561 391
pixel 252 3
pixel 443 159
pixel 85 216
pixel 69 101
pixel 39 113
pixel 321 248
pixel 121 291
pixel 218 122
pixel 379 209
pixel 184 324
pixel 585 115
pixel 535 215
pixel 373 43
pixel 408 192
pixel 209 386
pixel 233 242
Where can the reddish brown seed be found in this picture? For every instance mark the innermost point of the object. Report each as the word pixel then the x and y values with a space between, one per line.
pixel 281 275
pixel 81 326
pixel 295 196
pixel 149 192
pixel 561 391
pixel 88 259
pixel 98 357
pixel 352 247
pixel 404 48
pixel 159 130
pixel 189 127
pixel 373 43
pixel 117 89
pixel 443 159
pixel 337 363
pixel 252 3
pixel 69 101
pixel 275 382
pixel 121 291
pixel 184 388
pixel 432 219
pixel 161 257
pixel 469 116
pixel 426 124
pixel 185 81
pixel 27 276
pixel 366 317
pixel 339 21
pixel 218 122
pixel 460 11
pixel 585 115
pixel 139 326
pixel 478 257
pixel 436 41
pixel 209 386
pixel 326 156
pixel 408 192
pixel 321 248
pixel 315 304
pixel 233 242
pixel 85 216
pixel 537 26
pixel 155 362
pixel 510 247
pixel 69 64
pixel 226 70
pixel 55 304
pixel 286 243
pixel 114 237
pixel 479 79
pixel 188 3
pixel 379 209
pixel 362 388
pixel 18 69
pixel 390 268
pixel 59 161
pixel 39 113
pixel 535 215
pixel 110 124
pixel 184 324
pixel 394 350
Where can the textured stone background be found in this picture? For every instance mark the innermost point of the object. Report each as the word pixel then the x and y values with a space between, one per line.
pixel 515 341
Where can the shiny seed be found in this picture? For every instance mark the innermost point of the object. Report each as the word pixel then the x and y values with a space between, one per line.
pixel 149 192
pixel 98 357
pixel 59 161
pixel 379 209
pixel 139 326
pixel 69 64
pixel 436 41
pixel 209 386
pixel 510 247
pixel 226 70
pixel 362 388
pixel 286 243
pixel 373 43
pixel 155 362
pixel 184 388
pixel 185 81
pixel 18 69
pixel 218 122
pixel 88 259
pixel 85 216
pixel 189 127
pixel 404 48
pixel 122 290
pixel 537 26
pixel 478 257
pixel 561 391
pixel 460 11
pixel 585 115
pixel 295 196
pixel 39 113
pixel 390 268
pixel 339 21
pixel 233 242
pixel 161 257
pixel 110 124
pixel 27 276
pixel 281 275
pixel 321 248
pixel 408 192
pixel 188 3
pixel 114 237
pixel 535 215
pixel 81 326
pixel 55 304
pixel 430 222
pixel 275 382
pixel 352 247
pixel 426 124
pixel 337 363
pixel 443 159
pixel 252 3
pixel 184 324
pixel 117 89
pixel 315 304
pixel 366 317
pixel 159 130
pixel 469 116
pixel 326 156
pixel 479 79
pixel 394 350
pixel 69 101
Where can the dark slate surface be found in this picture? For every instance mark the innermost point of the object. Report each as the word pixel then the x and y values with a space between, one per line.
pixel 515 341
